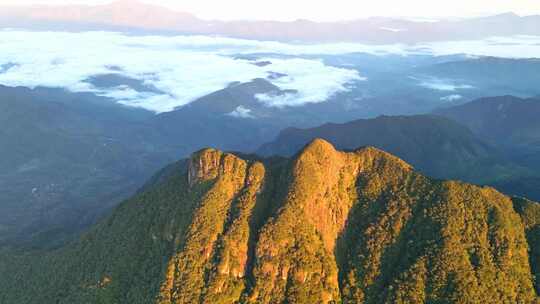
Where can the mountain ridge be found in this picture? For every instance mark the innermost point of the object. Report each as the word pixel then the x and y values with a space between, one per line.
pixel 509 120
pixel 429 142
pixel 372 30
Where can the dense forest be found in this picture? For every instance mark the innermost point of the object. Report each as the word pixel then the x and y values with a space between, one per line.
pixel 323 226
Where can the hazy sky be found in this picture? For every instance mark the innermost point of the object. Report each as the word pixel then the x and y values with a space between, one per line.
pixel 326 10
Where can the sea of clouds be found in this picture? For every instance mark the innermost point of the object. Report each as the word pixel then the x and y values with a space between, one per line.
pixel 180 69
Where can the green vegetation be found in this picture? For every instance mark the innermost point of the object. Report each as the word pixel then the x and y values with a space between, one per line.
pixel 119 261
pixel 530 213
pixel 323 227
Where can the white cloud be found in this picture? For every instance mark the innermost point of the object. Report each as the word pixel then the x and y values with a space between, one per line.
pixel 280 100
pixel 451 98
pixel 441 84
pixel 241 112
pixel 394 30
pixel 520 46
pixel 305 77
pixel 183 68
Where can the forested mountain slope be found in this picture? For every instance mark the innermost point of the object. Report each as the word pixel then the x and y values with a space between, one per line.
pixel 322 227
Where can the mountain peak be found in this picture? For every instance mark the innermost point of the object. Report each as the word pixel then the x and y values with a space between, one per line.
pixel 319 146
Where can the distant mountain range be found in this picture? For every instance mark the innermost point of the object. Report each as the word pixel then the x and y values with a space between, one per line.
pixel 434 145
pixel 506 120
pixel 325 226
pixel 126 15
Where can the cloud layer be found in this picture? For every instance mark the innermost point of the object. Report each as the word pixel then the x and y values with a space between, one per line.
pixel 180 69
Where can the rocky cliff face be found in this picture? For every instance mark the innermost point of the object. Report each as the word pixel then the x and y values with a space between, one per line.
pixel 324 227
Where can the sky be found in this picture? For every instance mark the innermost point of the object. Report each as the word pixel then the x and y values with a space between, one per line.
pixel 334 10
